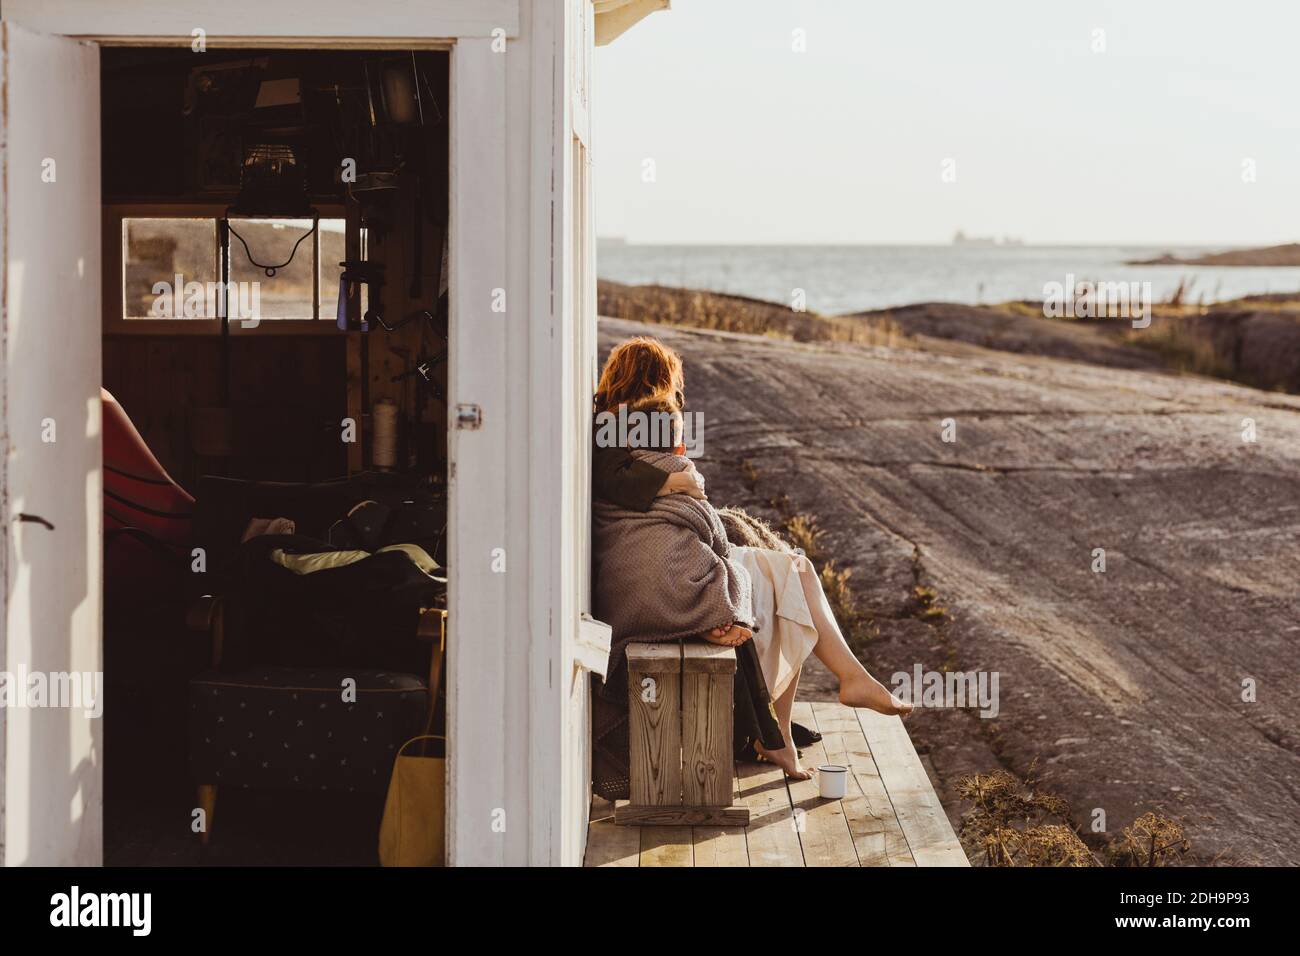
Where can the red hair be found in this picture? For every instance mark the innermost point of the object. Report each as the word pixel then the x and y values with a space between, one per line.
pixel 641 371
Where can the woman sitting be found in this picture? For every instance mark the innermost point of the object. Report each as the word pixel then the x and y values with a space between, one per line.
pixel 664 568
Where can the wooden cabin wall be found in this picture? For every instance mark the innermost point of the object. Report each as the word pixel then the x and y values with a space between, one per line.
pixel 389 354
pixel 285 391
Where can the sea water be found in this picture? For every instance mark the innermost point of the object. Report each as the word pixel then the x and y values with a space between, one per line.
pixel 840 279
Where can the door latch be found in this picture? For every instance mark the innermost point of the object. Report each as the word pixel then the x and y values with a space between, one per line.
pixel 469 417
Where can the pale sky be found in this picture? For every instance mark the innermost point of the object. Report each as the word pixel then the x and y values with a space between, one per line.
pixel 1146 141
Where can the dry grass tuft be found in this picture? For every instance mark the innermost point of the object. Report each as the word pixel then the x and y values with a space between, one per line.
pixel 804 534
pixel 1151 840
pixel 926 608
pixel 663 305
pixel 1185 346
pixel 1014 822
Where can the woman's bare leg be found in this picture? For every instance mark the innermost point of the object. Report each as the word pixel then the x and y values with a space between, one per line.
pixel 857 687
pixel 788 757
pixel 784 705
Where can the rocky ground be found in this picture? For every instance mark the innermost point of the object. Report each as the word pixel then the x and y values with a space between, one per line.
pixel 944 327
pixel 1254 341
pixel 1126 686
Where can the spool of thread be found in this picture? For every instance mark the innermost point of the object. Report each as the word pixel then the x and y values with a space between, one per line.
pixel 383 441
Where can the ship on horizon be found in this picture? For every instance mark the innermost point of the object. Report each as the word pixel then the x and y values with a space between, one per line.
pixel 961 239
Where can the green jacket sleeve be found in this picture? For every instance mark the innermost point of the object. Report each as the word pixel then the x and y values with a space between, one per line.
pixel 619 478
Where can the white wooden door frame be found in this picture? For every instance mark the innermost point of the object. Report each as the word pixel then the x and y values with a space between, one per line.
pixel 510 137
pixel 584 643
pixel 480 551
pixel 277 23
pixel 51 492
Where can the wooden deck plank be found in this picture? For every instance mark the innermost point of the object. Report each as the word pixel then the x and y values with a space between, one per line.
pixel 666 846
pixel 720 846
pixel 771 836
pixel 823 830
pixel 633 816
pixel 925 824
pixel 609 844
pixel 877 834
pixel 891 813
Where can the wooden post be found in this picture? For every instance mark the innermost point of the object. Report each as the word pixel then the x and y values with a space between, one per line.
pixel 708 767
pixel 654 727
pixel 680 699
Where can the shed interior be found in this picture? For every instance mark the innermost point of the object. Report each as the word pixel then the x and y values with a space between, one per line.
pixel 275 234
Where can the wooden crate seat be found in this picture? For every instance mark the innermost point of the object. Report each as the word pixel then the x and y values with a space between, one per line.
pixel 680 697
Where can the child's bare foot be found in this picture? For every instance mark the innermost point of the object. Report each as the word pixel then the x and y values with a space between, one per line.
pixel 732 636
pixel 787 758
pixel 865 691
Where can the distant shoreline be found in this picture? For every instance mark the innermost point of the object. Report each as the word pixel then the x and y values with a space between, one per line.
pixel 1271 257
pixel 1253 340
pixel 845 280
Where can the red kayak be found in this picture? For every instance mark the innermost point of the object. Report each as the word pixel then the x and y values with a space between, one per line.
pixel 138 492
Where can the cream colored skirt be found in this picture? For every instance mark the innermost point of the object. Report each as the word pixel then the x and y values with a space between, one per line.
pixel 785 635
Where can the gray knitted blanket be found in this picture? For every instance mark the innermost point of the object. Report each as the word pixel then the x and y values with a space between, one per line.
pixel 664 573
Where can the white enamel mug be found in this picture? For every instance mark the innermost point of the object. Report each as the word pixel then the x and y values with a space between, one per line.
pixel 832 781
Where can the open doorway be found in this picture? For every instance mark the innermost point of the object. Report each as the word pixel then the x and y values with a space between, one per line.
pixel 275 322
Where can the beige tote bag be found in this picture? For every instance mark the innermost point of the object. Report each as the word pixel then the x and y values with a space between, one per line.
pixel 413 831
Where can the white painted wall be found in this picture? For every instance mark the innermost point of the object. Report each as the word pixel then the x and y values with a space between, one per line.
pixel 513 474
pixel 521 480
pixel 50 608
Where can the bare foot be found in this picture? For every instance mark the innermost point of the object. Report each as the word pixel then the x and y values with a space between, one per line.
pixel 787 758
pixel 865 691
pixel 732 636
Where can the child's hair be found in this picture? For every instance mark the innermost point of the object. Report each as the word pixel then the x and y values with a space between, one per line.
pixel 747 530
pixel 641 372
